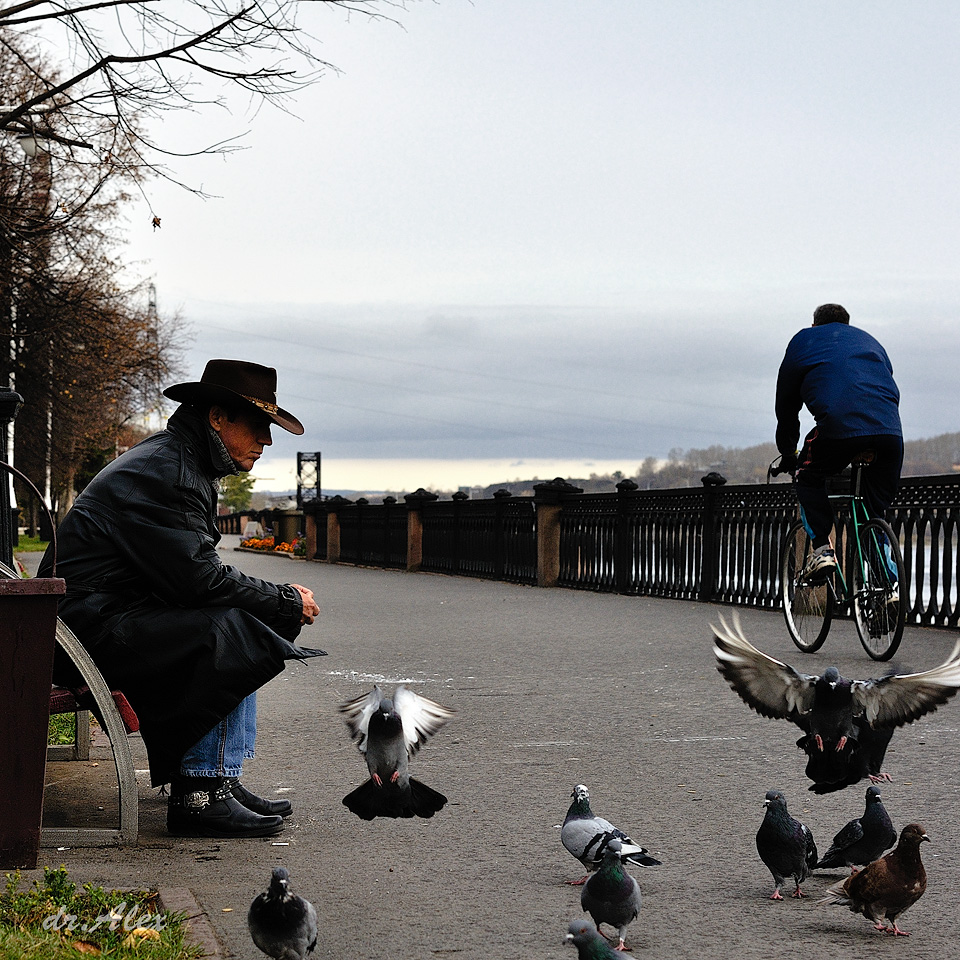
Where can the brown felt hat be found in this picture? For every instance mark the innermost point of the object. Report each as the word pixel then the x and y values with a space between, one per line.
pixel 227 381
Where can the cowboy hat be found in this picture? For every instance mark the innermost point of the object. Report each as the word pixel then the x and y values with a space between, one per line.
pixel 227 381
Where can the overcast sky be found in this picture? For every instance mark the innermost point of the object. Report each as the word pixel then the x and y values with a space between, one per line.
pixel 574 230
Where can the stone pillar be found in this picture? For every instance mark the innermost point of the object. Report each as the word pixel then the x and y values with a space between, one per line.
pixel 310 532
pixel 415 502
pixel 710 546
pixel 333 527
pixel 622 554
pixel 548 498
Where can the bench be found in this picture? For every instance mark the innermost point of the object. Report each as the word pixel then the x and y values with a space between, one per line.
pixel 80 702
pixel 117 718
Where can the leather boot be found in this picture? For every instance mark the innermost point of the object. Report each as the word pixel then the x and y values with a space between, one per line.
pixel 266 808
pixel 205 807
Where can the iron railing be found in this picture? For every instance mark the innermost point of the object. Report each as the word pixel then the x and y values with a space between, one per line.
pixel 719 544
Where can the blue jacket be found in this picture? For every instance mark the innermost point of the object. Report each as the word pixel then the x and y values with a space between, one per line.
pixel 845 379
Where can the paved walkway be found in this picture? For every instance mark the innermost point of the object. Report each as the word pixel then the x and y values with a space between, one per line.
pixel 552 688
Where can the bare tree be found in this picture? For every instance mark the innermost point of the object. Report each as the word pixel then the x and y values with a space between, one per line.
pixel 123 63
pixel 81 343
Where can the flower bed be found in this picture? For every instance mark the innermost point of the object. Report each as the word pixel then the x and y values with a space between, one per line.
pixel 297 547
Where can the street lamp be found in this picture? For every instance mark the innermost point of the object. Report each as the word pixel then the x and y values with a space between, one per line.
pixel 29 144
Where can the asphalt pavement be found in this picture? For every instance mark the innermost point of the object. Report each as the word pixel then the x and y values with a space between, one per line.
pixel 552 688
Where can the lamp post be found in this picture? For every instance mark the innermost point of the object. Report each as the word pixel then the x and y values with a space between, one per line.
pixel 32 146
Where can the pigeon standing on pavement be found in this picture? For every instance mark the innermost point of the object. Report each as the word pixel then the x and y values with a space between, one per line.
pixel 611 895
pixel 861 841
pixel 590 945
pixel 885 888
pixel 388 732
pixel 283 925
pixel 586 836
pixel 847 724
pixel 785 845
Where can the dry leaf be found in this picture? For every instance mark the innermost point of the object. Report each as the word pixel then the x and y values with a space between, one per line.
pixel 137 936
pixel 85 946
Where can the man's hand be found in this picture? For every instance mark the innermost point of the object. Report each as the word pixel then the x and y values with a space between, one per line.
pixel 310 609
pixel 788 463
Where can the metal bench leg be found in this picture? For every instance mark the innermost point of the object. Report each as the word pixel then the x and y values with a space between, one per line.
pixel 117 732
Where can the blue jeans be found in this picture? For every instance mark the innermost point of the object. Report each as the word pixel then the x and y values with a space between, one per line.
pixel 221 752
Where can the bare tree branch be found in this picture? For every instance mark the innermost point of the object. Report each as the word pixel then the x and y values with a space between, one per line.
pixel 129 61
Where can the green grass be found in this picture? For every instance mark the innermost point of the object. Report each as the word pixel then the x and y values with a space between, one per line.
pixel 30 545
pixel 62 728
pixel 56 919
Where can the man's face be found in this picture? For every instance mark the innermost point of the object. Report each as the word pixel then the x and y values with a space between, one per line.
pixel 244 437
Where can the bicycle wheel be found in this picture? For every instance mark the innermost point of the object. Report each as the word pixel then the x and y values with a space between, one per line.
pixel 807 606
pixel 879 590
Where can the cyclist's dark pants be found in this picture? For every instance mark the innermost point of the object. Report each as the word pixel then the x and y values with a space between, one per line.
pixel 823 457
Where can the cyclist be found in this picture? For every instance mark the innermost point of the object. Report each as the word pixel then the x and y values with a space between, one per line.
pixel 845 379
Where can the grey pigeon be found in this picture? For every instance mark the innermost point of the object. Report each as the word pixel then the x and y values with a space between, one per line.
pixel 885 888
pixel 611 895
pixel 785 845
pixel 847 724
pixel 863 840
pixel 586 836
pixel 283 925
pixel 388 732
pixel 590 945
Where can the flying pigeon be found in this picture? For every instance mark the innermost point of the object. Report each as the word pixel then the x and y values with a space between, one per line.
pixel 785 845
pixel 283 925
pixel 388 732
pixel 864 840
pixel 887 887
pixel 590 945
pixel 586 836
pixel 847 724
pixel 611 895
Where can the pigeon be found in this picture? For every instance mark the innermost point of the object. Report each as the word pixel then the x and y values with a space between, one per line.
pixel 611 895
pixel 864 840
pixel 885 888
pixel 590 944
pixel 847 724
pixel 586 836
pixel 785 845
pixel 388 732
pixel 283 925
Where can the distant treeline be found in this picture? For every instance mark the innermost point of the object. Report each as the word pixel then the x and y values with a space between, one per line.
pixel 686 468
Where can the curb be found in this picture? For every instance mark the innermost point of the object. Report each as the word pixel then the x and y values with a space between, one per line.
pixel 199 930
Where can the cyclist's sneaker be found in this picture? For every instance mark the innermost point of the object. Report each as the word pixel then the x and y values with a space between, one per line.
pixel 822 563
pixel 893 595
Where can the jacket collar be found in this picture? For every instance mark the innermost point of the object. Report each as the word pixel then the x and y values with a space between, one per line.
pixel 188 424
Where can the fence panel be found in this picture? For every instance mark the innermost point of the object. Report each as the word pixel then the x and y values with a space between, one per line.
pixel 719 544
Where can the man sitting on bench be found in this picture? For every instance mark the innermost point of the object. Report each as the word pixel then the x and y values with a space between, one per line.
pixel 187 638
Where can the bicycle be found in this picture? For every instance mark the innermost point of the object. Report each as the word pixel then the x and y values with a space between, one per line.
pixel 875 584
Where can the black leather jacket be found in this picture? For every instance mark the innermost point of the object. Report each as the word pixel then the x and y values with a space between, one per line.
pixel 146 526
pixel 185 636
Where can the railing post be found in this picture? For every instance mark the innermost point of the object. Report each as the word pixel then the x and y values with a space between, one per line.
pixel 499 533
pixel 10 403
pixel 458 499
pixel 548 498
pixel 709 545
pixel 622 554
pixel 415 502
pixel 362 552
pixel 388 510
pixel 333 527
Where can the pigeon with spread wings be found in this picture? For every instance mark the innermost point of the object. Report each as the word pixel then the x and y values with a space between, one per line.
pixel 847 724
pixel 388 731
